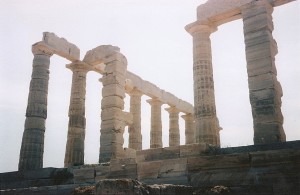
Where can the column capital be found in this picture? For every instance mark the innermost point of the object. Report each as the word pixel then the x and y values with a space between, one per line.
pixel 172 109
pixel 135 92
pixel 155 101
pixel 79 66
pixel 187 117
pixel 197 26
pixel 41 49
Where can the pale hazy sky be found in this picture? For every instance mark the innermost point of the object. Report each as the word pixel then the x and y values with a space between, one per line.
pixel 151 35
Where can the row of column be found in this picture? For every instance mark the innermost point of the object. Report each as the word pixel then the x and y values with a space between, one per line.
pixel 112 115
pixel 265 90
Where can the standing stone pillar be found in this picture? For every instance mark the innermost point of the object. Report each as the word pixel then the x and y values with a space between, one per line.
pixel 156 125
pixel 113 120
pixel 265 90
pixel 32 148
pixel 76 131
pixel 207 129
pixel 174 133
pixel 135 135
pixel 189 128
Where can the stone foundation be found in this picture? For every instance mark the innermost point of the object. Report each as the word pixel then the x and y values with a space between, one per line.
pixel 259 169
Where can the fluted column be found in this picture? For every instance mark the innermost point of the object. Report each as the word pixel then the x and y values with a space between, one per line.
pixel 207 130
pixel 189 128
pixel 76 130
pixel 174 132
pixel 156 125
pixel 32 148
pixel 113 119
pixel 135 135
pixel 265 90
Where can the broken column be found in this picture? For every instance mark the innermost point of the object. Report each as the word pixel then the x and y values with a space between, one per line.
pixel 189 128
pixel 32 148
pixel 207 130
pixel 135 135
pixel 174 133
pixel 156 125
pixel 113 119
pixel 76 130
pixel 265 90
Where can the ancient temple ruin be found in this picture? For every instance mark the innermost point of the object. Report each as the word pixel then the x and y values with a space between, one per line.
pixel 200 161
pixel 265 90
pixel 116 80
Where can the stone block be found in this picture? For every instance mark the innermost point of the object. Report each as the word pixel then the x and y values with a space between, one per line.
pixel 170 152
pixel 267 115
pixel 275 93
pixel 35 123
pixel 61 46
pixel 151 90
pixel 173 168
pixel 116 68
pixel 261 51
pixel 261 34
pixel 39 97
pixel 262 21
pixel 217 177
pixel 265 81
pixel 130 153
pixel 268 133
pixel 261 66
pixel 108 79
pixel 112 101
pixel 276 157
pixel 192 149
pixel 110 139
pixel 98 54
pixel 84 175
pixel 112 125
pixel 171 99
pixel 120 187
pixel 123 171
pixel 112 113
pixel 217 162
pixel 149 155
pixel 113 90
pixel 116 58
pixel 39 84
pixel 147 170
pixel 101 172
pixel 42 63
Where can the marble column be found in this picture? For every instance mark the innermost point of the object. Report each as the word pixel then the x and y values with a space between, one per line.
pixel 135 135
pixel 207 130
pixel 76 130
pixel 32 148
pixel 189 128
pixel 265 90
pixel 156 125
pixel 113 120
pixel 174 132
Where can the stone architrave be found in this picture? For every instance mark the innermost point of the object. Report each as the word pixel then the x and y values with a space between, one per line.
pixel 189 128
pixel 207 130
pixel 265 90
pixel 135 135
pixel 156 124
pixel 174 132
pixel 113 118
pixel 76 131
pixel 32 148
